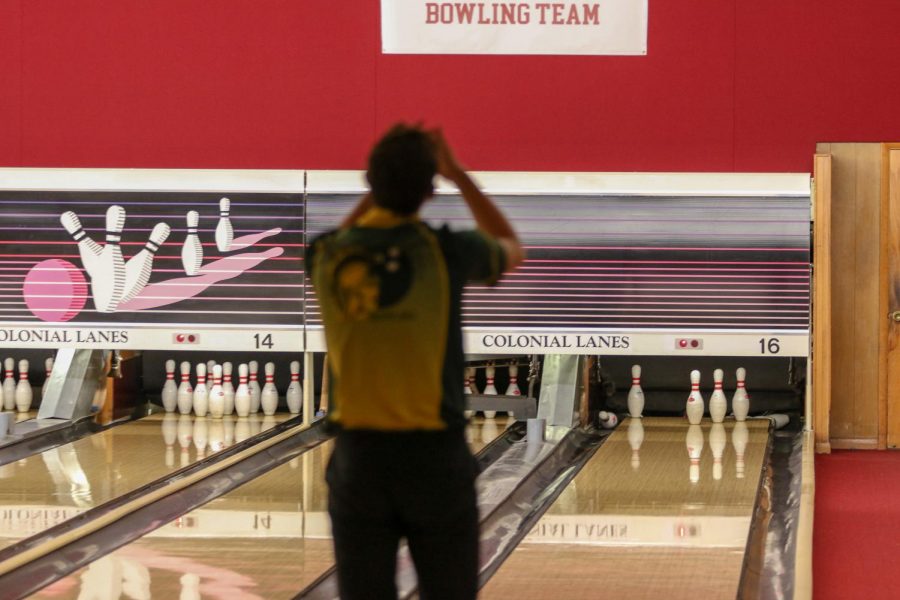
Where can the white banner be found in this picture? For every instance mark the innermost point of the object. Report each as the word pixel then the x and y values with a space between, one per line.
pixel 524 27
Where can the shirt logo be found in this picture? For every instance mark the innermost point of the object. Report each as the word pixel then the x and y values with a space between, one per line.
pixel 367 280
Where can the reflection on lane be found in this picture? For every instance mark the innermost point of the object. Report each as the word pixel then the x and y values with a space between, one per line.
pixel 658 498
pixel 267 539
pixel 43 490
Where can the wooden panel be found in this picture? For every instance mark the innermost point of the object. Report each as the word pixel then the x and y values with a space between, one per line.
pixel 855 260
pixel 866 319
pixel 821 350
pixel 893 291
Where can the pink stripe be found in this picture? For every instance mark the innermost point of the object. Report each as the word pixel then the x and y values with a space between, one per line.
pixel 661 262
pixel 686 249
pixel 600 276
pixel 691 283
pixel 568 303
pixel 630 269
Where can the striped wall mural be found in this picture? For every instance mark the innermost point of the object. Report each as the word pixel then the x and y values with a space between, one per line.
pixel 726 254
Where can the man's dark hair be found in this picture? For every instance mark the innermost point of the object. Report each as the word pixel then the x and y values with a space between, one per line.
pixel 402 166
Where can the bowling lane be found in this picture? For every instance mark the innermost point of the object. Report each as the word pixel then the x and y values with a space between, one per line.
pixel 642 520
pixel 45 489
pixel 267 539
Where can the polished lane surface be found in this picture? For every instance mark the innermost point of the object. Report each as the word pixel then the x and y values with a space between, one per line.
pixel 45 489
pixel 267 539
pixel 662 510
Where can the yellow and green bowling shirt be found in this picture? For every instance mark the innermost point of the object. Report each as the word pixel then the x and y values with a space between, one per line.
pixel 390 290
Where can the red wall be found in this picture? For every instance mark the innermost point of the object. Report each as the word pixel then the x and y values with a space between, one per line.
pixel 726 86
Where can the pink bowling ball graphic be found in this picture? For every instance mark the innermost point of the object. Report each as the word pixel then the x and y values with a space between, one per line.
pixel 55 290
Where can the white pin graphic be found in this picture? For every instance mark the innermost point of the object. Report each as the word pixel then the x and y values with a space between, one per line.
pixel 185 393
pixel 294 394
pixel 469 388
pixel 169 389
pixel 228 388
pixel 139 266
pixel 9 385
pixel 255 390
pixel 740 402
pixel 108 278
pixel 48 368
pixel 224 231
pixel 636 394
pixel 217 394
pixel 88 249
pixel 201 393
pixel 24 393
pixel 695 405
pixel 490 389
pixel 513 388
pixel 242 396
pixel 269 394
pixel 718 403
pixel 192 250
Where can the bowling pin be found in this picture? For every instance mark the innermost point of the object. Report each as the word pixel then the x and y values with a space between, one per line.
pixel 269 395
pixel 253 383
pixel 294 395
pixel 88 249
pixel 9 385
pixel 739 438
pixel 24 393
pixel 209 369
pixel 636 394
pixel 513 388
pixel 718 403
pixel 48 369
pixel 185 394
pixel 717 440
pixel 469 388
pixel 192 250
pixel 635 439
pixel 694 443
pixel 217 395
pixel 242 394
pixel 201 392
pixel 490 389
pixel 607 420
pixel 108 278
pixel 170 436
pixel 740 402
pixel 224 232
pixel 695 405
pixel 228 388
pixel 169 389
pixel 139 266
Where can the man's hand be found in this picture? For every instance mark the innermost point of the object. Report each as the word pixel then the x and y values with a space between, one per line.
pixel 446 162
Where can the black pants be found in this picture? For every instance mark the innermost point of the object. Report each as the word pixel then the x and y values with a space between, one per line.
pixel 419 486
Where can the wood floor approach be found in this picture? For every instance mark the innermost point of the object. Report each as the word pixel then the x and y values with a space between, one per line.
pixel 633 524
pixel 641 520
pixel 266 539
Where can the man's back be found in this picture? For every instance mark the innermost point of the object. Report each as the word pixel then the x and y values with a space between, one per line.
pixel 389 290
